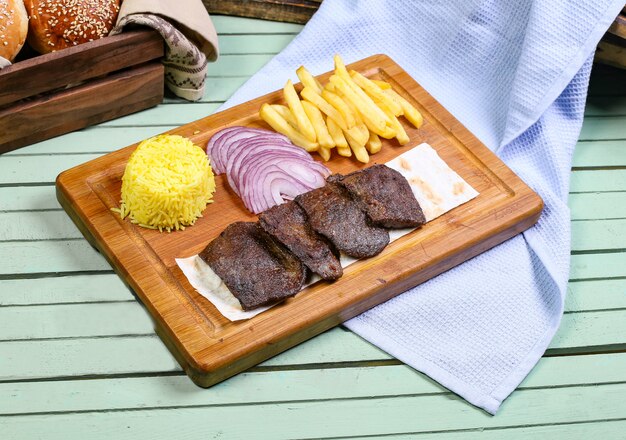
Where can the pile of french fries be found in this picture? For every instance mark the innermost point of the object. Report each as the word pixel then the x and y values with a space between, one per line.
pixel 350 113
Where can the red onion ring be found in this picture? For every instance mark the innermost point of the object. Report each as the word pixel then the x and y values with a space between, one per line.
pixel 263 167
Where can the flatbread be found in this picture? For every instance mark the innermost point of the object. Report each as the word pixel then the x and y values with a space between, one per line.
pixel 435 185
pixel 437 188
pixel 209 285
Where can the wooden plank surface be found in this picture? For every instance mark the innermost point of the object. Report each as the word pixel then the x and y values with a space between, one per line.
pixel 335 418
pixel 290 385
pixel 211 348
pixel 100 385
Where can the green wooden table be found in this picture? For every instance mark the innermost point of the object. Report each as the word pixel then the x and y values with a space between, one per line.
pixel 79 357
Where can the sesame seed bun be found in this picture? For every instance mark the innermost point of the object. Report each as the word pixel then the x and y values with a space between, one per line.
pixel 13 27
pixel 57 24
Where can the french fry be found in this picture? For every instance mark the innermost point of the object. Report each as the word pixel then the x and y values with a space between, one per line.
pixel 382 84
pixel 324 153
pixel 373 116
pixel 374 145
pixel 321 131
pixel 295 105
pixel 340 140
pixel 355 111
pixel 410 112
pixel 341 107
pixel 360 133
pixel 342 72
pixel 376 93
pixel 364 97
pixel 359 150
pixel 284 111
pixel 324 106
pixel 350 112
pixel 387 133
pixel 401 135
pixel 308 80
pixel 278 123
pixel 364 125
pixel 395 97
pixel 340 68
pixel 344 151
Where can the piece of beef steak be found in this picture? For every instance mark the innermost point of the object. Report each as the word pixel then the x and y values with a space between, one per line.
pixel 333 214
pixel 256 268
pixel 288 224
pixel 385 196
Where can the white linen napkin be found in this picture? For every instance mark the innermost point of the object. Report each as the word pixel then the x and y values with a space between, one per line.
pixel 516 74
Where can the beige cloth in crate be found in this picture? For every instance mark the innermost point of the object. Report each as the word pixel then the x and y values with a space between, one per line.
pixel 189 36
pixel 190 39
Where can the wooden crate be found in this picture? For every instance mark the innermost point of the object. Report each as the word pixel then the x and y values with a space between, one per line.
pixel 291 11
pixel 52 94
pixel 612 48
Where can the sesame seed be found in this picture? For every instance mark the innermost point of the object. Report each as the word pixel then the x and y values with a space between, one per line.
pixel 80 20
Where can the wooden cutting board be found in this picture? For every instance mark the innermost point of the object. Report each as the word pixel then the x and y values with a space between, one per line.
pixel 209 347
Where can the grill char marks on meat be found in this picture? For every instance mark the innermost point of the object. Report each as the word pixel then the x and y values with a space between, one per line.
pixel 385 196
pixel 333 214
pixel 288 224
pixel 256 268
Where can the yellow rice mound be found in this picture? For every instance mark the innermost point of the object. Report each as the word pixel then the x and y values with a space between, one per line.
pixel 167 183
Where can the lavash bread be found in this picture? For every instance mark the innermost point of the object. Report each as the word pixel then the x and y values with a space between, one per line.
pixel 13 27
pixel 58 24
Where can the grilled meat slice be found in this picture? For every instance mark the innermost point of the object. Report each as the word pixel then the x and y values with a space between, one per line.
pixel 333 214
pixel 288 224
pixel 256 268
pixel 385 196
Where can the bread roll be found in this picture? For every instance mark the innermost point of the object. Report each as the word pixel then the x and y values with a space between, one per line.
pixel 13 27
pixel 57 24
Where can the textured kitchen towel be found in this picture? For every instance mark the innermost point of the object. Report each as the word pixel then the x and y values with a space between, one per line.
pixel 189 35
pixel 515 73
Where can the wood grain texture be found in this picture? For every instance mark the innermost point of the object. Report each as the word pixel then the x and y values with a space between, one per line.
pixel 226 25
pixel 587 331
pixel 612 51
pixel 340 418
pixel 618 27
pixel 211 348
pixel 73 65
pixel 98 100
pixel 284 386
pixel 291 11
pixel 612 48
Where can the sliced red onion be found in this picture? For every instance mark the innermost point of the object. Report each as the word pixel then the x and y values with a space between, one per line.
pixel 235 141
pixel 223 142
pixel 216 136
pixel 254 180
pixel 249 152
pixel 255 184
pixel 263 167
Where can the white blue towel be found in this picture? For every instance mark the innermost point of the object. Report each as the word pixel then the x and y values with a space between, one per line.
pixel 515 73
